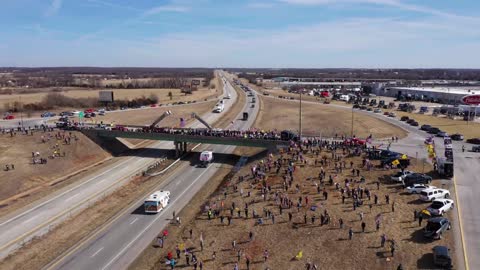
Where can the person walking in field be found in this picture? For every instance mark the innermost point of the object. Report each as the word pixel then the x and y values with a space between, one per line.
pixel 350 234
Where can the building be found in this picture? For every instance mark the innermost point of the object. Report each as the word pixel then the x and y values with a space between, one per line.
pixel 452 95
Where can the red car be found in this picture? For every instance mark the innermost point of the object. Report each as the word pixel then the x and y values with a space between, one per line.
pixel 354 141
pixel 324 94
pixel 9 117
pixel 153 105
pixel 89 110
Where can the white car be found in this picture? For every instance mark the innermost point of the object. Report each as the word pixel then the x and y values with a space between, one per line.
pixel 417 188
pixel 431 194
pixel 440 206
pixel 398 177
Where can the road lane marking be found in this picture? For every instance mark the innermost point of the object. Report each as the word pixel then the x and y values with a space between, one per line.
pixel 95 254
pixel 465 258
pixel 28 220
pixel 153 221
pixel 135 220
pixel 70 198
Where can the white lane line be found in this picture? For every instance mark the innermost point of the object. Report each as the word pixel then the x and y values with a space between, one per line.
pixel 95 254
pixel 153 221
pixel 28 220
pixel 70 198
pixel 135 220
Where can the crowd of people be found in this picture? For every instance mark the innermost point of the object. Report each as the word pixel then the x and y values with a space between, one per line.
pixel 253 197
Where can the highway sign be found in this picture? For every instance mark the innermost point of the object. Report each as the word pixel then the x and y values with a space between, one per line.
pixel 471 99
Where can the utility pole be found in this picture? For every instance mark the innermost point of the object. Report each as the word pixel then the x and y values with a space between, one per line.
pixel 300 118
pixel 21 110
pixel 351 133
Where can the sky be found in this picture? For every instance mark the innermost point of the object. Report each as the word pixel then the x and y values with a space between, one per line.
pixel 241 33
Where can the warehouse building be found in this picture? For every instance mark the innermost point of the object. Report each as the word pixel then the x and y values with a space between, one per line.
pixel 451 95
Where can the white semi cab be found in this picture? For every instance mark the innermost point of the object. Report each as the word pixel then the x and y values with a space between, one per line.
pixel 157 201
pixel 205 158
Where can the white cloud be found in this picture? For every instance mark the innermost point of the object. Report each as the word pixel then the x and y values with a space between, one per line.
pixel 53 8
pixel 389 3
pixel 166 8
pixel 260 5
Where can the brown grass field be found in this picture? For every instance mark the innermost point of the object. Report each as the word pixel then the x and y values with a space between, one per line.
pixel 321 120
pixel 27 177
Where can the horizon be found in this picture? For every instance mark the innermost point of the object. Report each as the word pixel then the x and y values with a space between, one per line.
pixel 279 34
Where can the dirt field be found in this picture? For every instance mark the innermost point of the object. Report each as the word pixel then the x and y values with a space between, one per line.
pixel 147 116
pixel 162 94
pixel 321 120
pixel 26 176
pixel 324 245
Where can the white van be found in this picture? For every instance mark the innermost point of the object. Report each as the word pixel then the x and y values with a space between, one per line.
pixel 345 98
pixel 156 202
pixel 431 194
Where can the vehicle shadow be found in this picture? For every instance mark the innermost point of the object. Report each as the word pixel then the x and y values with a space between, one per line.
pixel 426 262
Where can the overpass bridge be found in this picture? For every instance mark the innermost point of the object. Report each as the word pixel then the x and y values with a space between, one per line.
pixel 181 140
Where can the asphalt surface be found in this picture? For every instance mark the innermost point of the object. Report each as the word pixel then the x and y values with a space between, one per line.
pixel 41 216
pixel 121 242
pixel 467 179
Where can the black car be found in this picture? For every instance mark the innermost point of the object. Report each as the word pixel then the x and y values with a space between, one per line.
pixel 404 118
pixel 436 227
pixel 457 137
pixel 416 178
pixel 474 140
pixel 425 127
pixel 434 130
pixel 414 123
pixel 441 257
pixel 476 149
pixel 410 120
pixel 288 135
pixel 356 106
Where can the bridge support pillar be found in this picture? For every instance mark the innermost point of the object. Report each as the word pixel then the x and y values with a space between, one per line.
pixel 177 150
pixel 185 147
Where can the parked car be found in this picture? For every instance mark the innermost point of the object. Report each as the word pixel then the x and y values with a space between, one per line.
pixel 414 124
pixel 441 257
pixel 404 118
pixel 474 140
pixel 416 178
pixel 47 114
pixel 425 127
pixel 9 117
pixel 440 206
pixel 434 130
pixel 398 177
pixel 457 137
pixel 476 148
pixel 369 109
pixel 386 113
pixel 377 111
pixel 417 188
pixel 442 134
pixel 392 114
pixel 436 227
pixel 64 114
pixel 410 120
pixel 431 194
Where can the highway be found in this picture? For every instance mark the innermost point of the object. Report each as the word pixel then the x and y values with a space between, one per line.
pixel 466 181
pixel 42 215
pixel 120 243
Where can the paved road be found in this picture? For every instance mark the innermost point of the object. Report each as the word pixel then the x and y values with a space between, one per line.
pixel 467 179
pixel 21 226
pixel 121 242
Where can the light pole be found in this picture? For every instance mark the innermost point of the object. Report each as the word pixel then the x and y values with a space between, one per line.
pixel 351 132
pixel 21 110
pixel 300 118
